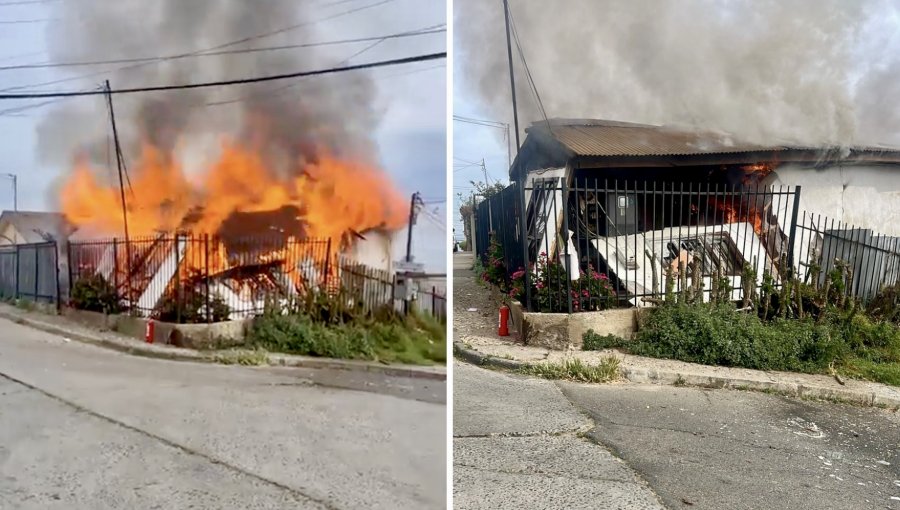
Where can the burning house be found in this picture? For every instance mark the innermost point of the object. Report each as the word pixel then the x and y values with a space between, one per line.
pixel 634 201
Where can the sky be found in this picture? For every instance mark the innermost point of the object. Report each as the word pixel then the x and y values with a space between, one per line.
pixel 411 135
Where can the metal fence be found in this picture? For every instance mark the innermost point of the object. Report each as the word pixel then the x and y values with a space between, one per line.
pixel 498 218
pixel 870 261
pixel 201 278
pixel 29 271
pixel 593 243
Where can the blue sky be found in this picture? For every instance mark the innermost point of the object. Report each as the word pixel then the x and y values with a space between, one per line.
pixel 411 136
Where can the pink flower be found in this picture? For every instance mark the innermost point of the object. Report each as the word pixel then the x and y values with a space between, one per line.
pixel 518 274
pixel 539 285
pixel 585 293
pixel 604 277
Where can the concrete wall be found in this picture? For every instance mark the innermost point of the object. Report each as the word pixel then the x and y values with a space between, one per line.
pixel 864 196
pixel 560 331
pixel 194 336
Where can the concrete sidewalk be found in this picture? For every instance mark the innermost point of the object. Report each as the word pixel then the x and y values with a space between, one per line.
pixel 637 369
pixel 62 326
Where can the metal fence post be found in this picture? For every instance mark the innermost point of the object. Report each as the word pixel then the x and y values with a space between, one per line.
pixel 565 240
pixel 37 273
pixel 69 272
pixel 206 275
pixel 177 282
pixel 56 272
pixel 523 238
pixel 17 273
pixel 327 263
pixel 116 265
pixel 793 228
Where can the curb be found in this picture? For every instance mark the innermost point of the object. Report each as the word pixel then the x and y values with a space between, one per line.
pixel 672 378
pixel 178 354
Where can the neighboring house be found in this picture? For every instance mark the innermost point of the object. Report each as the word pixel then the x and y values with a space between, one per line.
pixel 27 227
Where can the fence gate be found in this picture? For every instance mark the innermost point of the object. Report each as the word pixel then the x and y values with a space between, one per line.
pixel 29 271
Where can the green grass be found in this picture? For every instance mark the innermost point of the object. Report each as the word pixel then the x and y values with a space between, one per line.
pixel 576 370
pixel 243 357
pixel 415 339
pixel 855 346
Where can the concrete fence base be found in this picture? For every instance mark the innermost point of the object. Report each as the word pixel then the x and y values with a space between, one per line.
pixel 217 335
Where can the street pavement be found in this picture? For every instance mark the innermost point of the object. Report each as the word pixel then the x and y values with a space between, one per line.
pixel 88 428
pixel 519 444
pixel 528 443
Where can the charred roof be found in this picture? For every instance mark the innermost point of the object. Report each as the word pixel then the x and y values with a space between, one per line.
pixel 604 143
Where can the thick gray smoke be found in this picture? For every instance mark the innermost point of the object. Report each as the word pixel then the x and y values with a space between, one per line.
pixel 289 117
pixel 807 71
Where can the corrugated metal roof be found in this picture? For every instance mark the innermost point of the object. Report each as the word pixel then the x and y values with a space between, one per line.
pixel 611 138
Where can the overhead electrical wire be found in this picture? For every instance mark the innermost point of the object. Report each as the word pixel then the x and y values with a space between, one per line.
pixel 204 50
pixel 429 30
pixel 241 81
pixel 521 52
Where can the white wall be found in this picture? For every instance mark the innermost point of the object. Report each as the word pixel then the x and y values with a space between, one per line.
pixel 863 196
pixel 373 251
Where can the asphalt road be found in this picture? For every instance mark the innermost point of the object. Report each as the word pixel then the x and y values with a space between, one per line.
pixel 86 428
pixel 527 443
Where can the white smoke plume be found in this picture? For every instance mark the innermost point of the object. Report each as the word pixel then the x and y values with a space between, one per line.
pixel 817 72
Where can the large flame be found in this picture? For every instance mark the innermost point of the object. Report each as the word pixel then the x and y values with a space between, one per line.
pixel 328 198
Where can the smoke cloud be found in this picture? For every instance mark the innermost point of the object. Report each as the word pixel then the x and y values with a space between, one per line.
pixel 767 71
pixel 289 119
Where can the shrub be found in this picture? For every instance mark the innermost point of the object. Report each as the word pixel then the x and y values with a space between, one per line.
pixel 95 294
pixel 191 309
pixel 495 270
pixel 719 335
pixel 594 342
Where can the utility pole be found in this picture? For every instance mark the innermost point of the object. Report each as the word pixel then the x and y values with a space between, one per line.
pixel 120 163
pixel 414 201
pixel 15 187
pixel 520 177
pixel 512 79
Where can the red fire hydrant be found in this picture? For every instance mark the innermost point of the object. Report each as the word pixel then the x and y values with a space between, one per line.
pixel 148 334
pixel 504 321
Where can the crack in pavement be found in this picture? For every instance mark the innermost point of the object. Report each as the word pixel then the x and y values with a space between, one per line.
pixel 294 492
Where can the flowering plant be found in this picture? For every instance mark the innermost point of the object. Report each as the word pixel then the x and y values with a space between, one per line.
pixel 550 291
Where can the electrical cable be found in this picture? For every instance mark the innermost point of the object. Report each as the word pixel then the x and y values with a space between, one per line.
pixel 45 65
pixel 241 81
pixel 204 50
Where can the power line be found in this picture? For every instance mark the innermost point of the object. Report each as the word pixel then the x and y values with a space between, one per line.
pixel 204 50
pixel 480 122
pixel 426 31
pixel 26 2
pixel 26 21
pixel 534 90
pixel 332 70
pixel 16 111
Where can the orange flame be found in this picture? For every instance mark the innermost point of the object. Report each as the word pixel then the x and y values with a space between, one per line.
pixel 738 212
pixel 327 198
pixel 756 172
